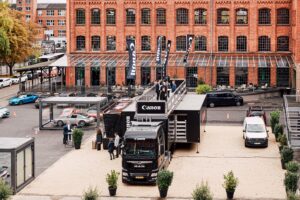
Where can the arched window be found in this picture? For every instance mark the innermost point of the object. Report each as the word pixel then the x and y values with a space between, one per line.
pixel 264 43
pixel 200 16
pixel 130 16
pixel 182 16
pixel 80 43
pixel 264 16
pixel 80 16
pixel 95 16
pixel 222 43
pixel 283 43
pixel 111 43
pixel 146 43
pixel 200 43
pixel 161 16
pixel 241 43
pixel 146 16
pixel 283 16
pixel 163 42
pixel 110 16
pixel 241 16
pixel 95 43
pixel 181 43
pixel 223 16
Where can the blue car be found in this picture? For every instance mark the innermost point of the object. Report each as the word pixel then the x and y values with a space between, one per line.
pixel 26 98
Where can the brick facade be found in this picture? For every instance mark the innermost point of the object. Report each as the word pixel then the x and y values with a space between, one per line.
pixel 211 30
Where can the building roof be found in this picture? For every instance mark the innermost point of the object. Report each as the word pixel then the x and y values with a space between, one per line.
pixel 191 102
pixel 8 143
pixel 51 6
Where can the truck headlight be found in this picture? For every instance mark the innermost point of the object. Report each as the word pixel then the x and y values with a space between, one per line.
pixel 125 174
pixel 153 174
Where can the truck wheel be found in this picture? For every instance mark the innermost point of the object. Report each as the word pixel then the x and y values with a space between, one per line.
pixel 246 144
pixel 81 123
pixel 60 123
pixel 238 103
pixel 211 105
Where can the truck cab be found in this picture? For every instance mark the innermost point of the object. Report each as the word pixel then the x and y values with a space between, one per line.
pixel 144 152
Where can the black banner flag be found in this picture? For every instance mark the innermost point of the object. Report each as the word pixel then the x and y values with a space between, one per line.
pixel 132 59
pixel 158 52
pixel 164 70
pixel 189 41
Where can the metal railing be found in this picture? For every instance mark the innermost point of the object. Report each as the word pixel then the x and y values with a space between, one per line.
pixel 178 95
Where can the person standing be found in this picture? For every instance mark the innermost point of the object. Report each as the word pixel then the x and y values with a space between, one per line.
pixel 157 89
pixel 163 94
pixel 173 86
pixel 111 148
pixel 65 134
pixel 117 145
pixel 99 138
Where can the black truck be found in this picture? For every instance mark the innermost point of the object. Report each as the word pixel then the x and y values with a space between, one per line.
pixel 151 127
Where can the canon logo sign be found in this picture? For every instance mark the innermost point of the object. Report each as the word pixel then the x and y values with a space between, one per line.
pixel 145 107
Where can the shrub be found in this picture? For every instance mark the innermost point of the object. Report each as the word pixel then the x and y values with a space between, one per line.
pixel 275 115
pixel 291 181
pixel 202 89
pixel 200 81
pixel 292 196
pixel 202 192
pixel 230 182
pixel 278 130
pixel 282 140
pixel 5 190
pixel 164 179
pixel 292 166
pixel 112 179
pixel 287 154
pixel 91 194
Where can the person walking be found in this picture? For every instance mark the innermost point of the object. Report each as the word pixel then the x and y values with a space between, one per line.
pixel 157 86
pixel 111 148
pixel 117 145
pixel 99 138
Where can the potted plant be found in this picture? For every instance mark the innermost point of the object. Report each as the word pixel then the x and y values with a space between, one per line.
pixel 278 130
pixel 202 192
pixel 164 180
pixel 275 115
pixel 286 156
pixel 230 184
pixel 112 181
pixel 5 190
pixel 77 137
pixel 282 141
pixel 291 182
pixel 91 194
pixel 292 166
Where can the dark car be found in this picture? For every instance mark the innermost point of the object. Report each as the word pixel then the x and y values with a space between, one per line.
pixel 223 99
pixel 257 111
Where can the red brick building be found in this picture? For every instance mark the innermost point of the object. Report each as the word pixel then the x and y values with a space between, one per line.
pixel 236 41
pixel 28 7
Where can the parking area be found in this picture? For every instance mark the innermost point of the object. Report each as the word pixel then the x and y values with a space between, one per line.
pixel 221 149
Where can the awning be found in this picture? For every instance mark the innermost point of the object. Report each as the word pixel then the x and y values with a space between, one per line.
pixel 61 62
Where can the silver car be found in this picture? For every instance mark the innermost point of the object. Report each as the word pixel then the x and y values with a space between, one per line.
pixel 74 119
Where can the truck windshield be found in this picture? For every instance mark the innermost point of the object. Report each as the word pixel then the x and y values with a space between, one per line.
pixel 255 128
pixel 143 148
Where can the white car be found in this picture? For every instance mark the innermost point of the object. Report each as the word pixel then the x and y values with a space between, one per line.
pixel 4 82
pixel 255 132
pixel 4 112
pixel 15 79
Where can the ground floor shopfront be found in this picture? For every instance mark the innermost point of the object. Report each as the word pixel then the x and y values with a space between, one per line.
pixel 236 70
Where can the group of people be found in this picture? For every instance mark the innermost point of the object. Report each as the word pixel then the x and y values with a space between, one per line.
pixel 162 88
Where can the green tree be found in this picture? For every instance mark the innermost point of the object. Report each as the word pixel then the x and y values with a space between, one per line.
pixel 17 37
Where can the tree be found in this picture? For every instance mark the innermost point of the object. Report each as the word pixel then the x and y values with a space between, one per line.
pixel 17 37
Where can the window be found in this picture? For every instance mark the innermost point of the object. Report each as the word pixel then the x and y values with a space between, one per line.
pixel 146 43
pixel 200 43
pixel 241 43
pixel 159 73
pixel 145 75
pixel 95 16
pixel 283 76
pixel 264 76
pixel 182 16
pixel 80 74
pixel 80 17
pixel 283 43
pixel 111 16
pixel 241 71
pixel 283 16
pixel 264 43
pixel 191 76
pixel 223 75
pixel 50 12
pixel 111 43
pixel 40 22
pixel 50 22
pixel 163 42
pixel 40 12
pixel 61 12
pixel 181 43
pixel 200 16
pixel 61 22
pixel 95 74
pixel 19 8
pixel 110 75
pixel 223 16
pixel 161 16
pixel 28 17
pixel 241 16
pixel 61 33
pixel 80 43
pixel 95 43
pixel 222 43
pixel 130 16
pixel 146 16
pixel 28 9
pixel 129 37
pixel 264 16
pixel 28 1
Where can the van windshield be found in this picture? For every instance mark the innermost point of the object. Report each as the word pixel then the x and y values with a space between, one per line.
pixel 142 148
pixel 255 128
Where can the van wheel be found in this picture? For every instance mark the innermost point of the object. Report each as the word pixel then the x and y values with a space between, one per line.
pixel 211 105
pixel 81 123
pixel 238 103
pixel 60 123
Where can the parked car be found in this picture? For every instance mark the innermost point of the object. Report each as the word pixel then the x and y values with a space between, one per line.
pixel 255 132
pixel 37 101
pixel 4 82
pixel 16 79
pixel 31 75
pixel 223 99
pixel 74 119
pixel 257 111
pixel 21 99
pixel 4 112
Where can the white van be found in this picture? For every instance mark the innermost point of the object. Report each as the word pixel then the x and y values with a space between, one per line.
pixel 255 132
